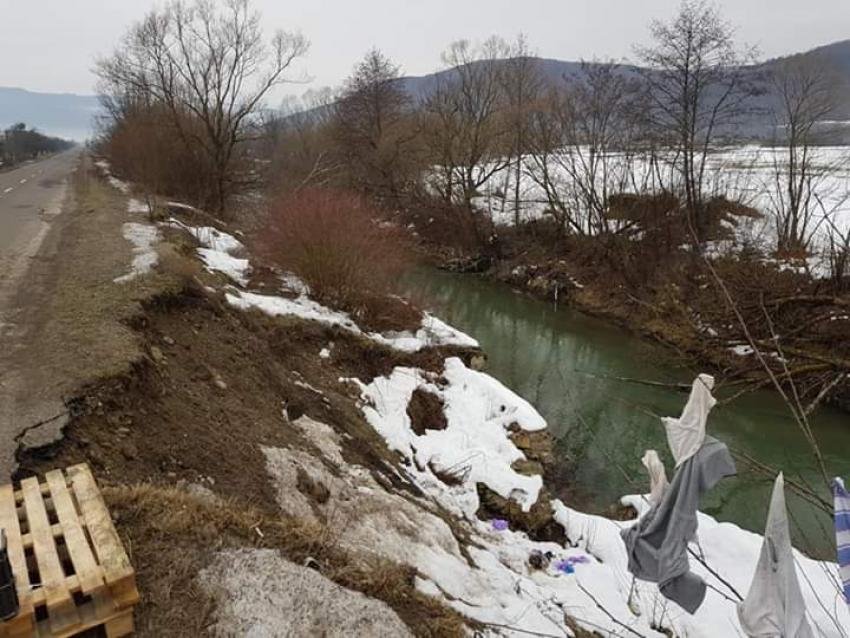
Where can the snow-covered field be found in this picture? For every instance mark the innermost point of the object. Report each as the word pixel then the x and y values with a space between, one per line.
pixel 746 173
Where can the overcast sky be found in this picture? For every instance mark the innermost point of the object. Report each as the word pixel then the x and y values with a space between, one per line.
pixel 49 45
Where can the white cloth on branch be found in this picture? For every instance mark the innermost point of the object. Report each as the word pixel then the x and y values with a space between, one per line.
pixel 657 475
pixel 774 605
pixel 686 434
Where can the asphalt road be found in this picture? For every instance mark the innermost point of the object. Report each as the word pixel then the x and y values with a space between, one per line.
pixel 31 196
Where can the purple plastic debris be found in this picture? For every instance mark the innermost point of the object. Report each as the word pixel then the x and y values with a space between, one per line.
pixel 568 565
pixel 499 524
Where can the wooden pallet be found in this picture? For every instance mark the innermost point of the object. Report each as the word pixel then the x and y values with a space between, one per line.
pixel 71 570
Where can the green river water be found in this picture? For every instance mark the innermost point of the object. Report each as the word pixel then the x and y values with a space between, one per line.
pixel 564 362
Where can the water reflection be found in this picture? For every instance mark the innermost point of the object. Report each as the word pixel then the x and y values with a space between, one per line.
pixel 568 366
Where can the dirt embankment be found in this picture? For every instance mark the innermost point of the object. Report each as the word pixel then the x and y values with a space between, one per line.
pixel 193 402
pixel 177 441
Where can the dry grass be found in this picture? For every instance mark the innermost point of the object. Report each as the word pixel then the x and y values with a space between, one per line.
pixel 172 532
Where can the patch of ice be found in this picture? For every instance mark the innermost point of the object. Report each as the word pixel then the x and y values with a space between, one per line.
pixel 324 353
pixel 143 237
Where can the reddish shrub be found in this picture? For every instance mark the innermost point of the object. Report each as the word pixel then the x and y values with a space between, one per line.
pixel 336 242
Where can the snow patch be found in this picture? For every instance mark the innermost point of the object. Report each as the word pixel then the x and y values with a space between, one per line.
pixel 137 206
pixel 475 447
pixel 432 332
pixel 210 237
pixel 235 268
pixel 144 238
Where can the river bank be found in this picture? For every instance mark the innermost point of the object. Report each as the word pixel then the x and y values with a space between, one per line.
pixel 275 467
pixel 578 371
pixel 680 300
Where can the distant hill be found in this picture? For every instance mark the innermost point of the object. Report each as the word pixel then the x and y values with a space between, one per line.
pixel 834 56
pixel 71 116
pixel 58 114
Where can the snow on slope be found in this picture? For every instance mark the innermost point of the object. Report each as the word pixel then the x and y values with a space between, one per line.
pixel 432 332
pixel 478 408
pixel 494 583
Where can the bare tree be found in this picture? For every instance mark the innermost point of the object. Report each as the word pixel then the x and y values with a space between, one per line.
pixel 804 96
pixel 211 63
pixel 297 142
pixel 585 146
pixel 374 128
pixel 523 88
pixel 697 85
pixel 467 132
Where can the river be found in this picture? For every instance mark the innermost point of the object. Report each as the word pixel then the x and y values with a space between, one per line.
pixel 566 364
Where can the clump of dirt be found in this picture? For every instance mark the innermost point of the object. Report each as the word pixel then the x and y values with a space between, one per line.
pixel 425 410
pixel 312 488
pixel 539 522
pixel 388 313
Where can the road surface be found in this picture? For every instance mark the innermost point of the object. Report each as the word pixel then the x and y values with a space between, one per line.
pixel 31 197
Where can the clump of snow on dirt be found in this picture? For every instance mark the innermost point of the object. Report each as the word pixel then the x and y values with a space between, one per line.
pixel 302 307
pixel 475 447
pixel 217 248
pixel 180 206
pixel 234 267
pixel 106 169
pixel 742 350
pixel 144 238
pixel 116 183
pixel 210 237
pixel 136 206
pixel 261 594
pixel 432 332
